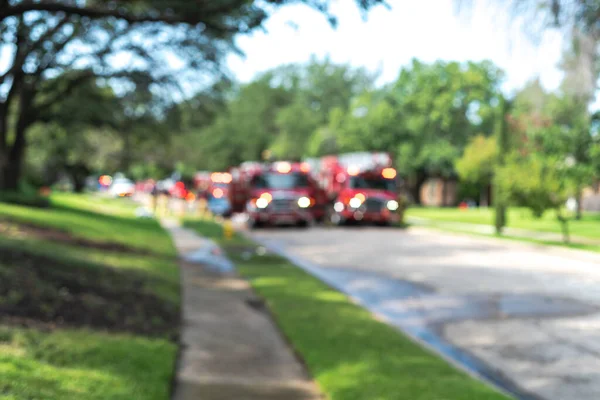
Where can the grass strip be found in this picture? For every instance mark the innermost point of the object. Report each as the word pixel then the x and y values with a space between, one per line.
pixel 350 354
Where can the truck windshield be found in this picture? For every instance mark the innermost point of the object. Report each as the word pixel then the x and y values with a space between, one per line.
pixel 280 181
pixel 361 182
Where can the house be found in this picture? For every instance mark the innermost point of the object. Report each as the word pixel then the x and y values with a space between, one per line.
pixel 590 199
pixel 439 192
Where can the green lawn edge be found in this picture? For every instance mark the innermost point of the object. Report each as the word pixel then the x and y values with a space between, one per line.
pixel 85 363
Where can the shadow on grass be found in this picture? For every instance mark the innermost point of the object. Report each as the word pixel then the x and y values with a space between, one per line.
pixel 64 291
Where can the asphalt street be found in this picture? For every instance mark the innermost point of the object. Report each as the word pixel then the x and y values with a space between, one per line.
pixel 522 316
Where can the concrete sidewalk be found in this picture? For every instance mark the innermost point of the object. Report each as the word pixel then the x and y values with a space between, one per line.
pixel 230 347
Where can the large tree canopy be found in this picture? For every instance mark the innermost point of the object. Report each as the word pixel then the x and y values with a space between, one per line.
pixel 133 44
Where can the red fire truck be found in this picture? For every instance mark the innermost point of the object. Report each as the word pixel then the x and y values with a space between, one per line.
pixel 277 193
pixel 360 187
pixel 202 183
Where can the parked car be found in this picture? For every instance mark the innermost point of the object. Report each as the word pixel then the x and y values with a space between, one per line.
pixel 122 187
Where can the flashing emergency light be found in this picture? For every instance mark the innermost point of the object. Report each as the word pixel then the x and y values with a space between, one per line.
pixel 267 196
pixel 105 180
pixel 353 171
pixel 283 167
pixel 361 197
pixel 226 177
pixel 217 193
pixel 389 173
pixel 305 167
pixel 190 196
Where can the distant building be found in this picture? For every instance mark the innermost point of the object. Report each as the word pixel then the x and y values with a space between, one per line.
pixel 590 199
pixel 438 192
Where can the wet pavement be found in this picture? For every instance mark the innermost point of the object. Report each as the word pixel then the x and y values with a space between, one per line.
pixel 523 317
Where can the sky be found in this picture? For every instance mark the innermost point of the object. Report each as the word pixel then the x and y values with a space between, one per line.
pixel 388 39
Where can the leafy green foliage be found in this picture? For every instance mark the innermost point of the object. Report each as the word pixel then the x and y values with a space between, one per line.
pixel 533 181
pixel 478 160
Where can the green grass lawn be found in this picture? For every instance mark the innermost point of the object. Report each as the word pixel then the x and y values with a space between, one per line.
pixel 588 226
pixel 75 215
pixel 350 354
pixel 89 302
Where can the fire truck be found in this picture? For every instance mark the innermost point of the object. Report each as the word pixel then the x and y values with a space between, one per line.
pixel 202 183
pixel 218 194
pixel 277 193
pixel 361 187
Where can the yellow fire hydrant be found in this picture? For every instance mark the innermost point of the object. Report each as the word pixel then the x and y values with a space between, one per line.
pixel 227 229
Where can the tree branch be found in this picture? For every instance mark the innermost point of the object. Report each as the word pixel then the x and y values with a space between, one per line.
pixel 23 52
pixel 70 86
pixel 99 13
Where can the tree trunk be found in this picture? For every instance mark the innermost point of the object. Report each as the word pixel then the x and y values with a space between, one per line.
pixel 3 134
pixel 578 199
pixel 14 168
pixel 500 211
pixel 501 133
pixel 78 173
pixel 418 182
pixel 484 198
pixel 564 224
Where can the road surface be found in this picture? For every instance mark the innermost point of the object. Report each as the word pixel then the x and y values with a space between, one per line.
pixel 523 316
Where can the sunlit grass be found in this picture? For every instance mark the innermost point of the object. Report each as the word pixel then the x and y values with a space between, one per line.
pixel 82 363
pixel 70 214
pixel 520 218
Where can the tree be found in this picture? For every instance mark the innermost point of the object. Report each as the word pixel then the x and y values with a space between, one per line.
pixel 571 140
pixel 50 37
pixel 504 146
pixel 579 23
pixel 477 164
pixel 439 108
pixel 541 188
pixel 77 134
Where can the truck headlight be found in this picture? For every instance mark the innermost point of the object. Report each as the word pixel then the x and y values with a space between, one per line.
pixel 338 207
pixel 304 202
pixel 392 205
pixel 355 202
pixel 262 202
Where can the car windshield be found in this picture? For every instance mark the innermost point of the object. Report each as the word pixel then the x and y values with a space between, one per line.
pixel 220 200
pixel 375 183
pixel 280 181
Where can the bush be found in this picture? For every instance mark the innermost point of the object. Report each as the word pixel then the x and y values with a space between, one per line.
pixel 25 199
